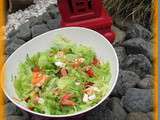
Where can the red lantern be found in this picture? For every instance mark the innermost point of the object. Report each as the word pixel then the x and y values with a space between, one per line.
pixel 86 13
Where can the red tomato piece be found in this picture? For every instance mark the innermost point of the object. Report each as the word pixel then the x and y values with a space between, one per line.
pixel 67 96
pixel 90 72
pixel 65 101
pixel 38 79
pixel 36 69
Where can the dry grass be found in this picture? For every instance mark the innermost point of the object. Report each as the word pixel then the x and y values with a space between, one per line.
pixel 138 11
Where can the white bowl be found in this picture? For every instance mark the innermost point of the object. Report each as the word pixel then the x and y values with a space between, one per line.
pixel 100 44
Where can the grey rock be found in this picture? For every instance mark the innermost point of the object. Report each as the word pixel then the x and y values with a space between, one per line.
pixel 46 17
pixel 137 116
pixel 35 21
pixel 12 33
pixel 120 23
pixel 11 109
pixel 117 109
pixel 101 115
pixel 11 48
pixel 101 112
pixel 138 64
pixel 24 32
pixel 12 44
pixel 120 35
pixel 25 115
pixel 126 80
pixel 39 29
pixel 146 83
pixel 138 46
pixel 10 40
pixel 17 41
pixel 121 53
pixel 138 100
pixel 53 24
pixel 12 117
pixel 136 30
pixel 53 11
pixel 150 115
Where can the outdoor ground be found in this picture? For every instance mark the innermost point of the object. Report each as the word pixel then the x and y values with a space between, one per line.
pixel 132 98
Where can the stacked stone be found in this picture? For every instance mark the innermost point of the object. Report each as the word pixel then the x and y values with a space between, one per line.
pixel 131 98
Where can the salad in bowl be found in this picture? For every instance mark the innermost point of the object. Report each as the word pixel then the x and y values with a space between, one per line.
pixel 61 73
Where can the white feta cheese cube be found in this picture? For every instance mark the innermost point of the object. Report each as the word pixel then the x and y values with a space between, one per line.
pixel 60 64
pixel 85 98
pixel 92 97
pixel 41 101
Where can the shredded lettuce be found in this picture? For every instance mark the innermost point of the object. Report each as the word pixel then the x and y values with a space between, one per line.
pixel 47 98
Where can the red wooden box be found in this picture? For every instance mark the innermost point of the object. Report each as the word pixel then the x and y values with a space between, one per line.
pixel 86 13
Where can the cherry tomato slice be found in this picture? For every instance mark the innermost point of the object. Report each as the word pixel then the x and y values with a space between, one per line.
pixel 90 72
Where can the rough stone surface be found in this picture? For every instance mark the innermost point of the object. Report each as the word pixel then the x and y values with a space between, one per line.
pixel 120 35
pixel 121 53
pixel 11 109
pixel 123 25
pixel 25 32
pixel 20 17
pixel 53 24
pixel 137 116
pixel 138 100
pixel 138 64
pixel 53 11
pixel 117 109
pixel 126 80
pixel 35 21
pixel 101 112
pixel 101 115
pixel 138 46
pixel 12 33
pixel 11 48
pixel 19 41
pixel 39 29
pixel 46 17
pixel 12 117
pixel 146 83
pixel 136 30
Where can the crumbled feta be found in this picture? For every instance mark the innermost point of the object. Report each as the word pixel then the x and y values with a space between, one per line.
pixel 81 60
pixel 40 100
pixel 85 98
pixel 60 64
pixel 77 83
pixel 96 89
pixel 76 60
pixel 92 97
